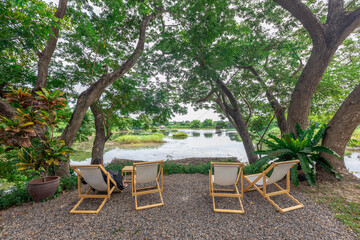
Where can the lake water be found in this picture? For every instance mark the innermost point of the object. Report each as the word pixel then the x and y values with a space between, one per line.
pixel 200 143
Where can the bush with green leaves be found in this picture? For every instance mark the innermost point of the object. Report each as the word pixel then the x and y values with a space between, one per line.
pixel 305 147
pixel 19 194
pixel 179 135
pixel 172 167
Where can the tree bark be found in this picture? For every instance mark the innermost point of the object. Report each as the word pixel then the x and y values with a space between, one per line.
pixel 47 53
pixel 237 119
pixel 341 127
pixel 326 39
pixel 101 136
pixel 6 110
pixel 279 111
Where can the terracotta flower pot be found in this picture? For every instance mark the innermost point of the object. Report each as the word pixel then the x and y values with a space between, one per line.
pixel 40 190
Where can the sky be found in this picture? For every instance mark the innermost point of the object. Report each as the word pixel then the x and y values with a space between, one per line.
pixel 201 115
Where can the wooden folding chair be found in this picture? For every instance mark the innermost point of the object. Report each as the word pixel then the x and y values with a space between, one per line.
pixel 93 176
pixel 145 173
pixel 260 180
pixel 226 174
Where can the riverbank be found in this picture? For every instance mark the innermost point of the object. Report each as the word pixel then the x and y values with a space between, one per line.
pixel 187 214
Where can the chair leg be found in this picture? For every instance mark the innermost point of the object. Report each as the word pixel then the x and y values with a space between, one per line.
pixel 151 205
pixel 87 211
pixel 228 210
pixel 282 191
pixel 283 210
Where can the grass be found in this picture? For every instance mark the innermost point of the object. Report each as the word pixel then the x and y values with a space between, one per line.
pixel 342 197
pixel 179 135
pixel 356 134
pixel 346 211
pixel 134 139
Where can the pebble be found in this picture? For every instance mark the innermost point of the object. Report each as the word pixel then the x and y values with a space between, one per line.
pixel 187 214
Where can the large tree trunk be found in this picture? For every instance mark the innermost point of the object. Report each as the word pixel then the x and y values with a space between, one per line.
pixel 236 118
pixel 47 53
pixel 326 39
pixel 101 135
pixel 341 127
pixel 305 88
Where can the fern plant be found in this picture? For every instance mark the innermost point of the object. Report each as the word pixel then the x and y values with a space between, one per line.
pixel 305 147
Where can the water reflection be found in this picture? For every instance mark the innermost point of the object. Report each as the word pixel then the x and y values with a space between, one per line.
pixel 208 135
pixel 352 163
pixel 200 143
pixel 234 136
pixel 196 134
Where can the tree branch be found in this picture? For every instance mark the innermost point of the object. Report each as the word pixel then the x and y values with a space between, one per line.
pixel 301 12
pixel 335 10
pixel 206 98
pixel 47 53
pixel 87 97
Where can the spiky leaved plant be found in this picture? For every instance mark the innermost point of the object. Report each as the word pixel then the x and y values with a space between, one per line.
pixel 305 147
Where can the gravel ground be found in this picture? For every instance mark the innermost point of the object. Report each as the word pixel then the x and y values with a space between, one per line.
pixel 187 214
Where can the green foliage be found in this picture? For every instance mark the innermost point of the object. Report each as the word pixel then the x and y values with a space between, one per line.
pixel 31 130
pixel 15 197
pixel 207 123
pixel 68 183
pixel 9 169
pixel 195 124
pixel 132 139
pixel 179 135
pixel 304 147
pixel 172 167
pixel 348 212
pixel 19 194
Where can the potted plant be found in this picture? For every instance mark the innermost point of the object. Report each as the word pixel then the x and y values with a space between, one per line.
pixel 305 147
pixel 31 131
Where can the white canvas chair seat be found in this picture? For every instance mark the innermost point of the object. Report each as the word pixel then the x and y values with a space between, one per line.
pixel 93 176
pixel 278 173
pixel 226 174
pixel 145 173
pixel 260 180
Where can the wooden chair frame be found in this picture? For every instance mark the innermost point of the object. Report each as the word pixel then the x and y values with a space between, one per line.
pixel 87 194
pixel 236 193
pixel 252 186
pixel 147 190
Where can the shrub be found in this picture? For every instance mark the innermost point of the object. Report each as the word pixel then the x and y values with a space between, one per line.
pixel 15 197
pixel 132 139
pixel 68 183
pixel 179 135
pixel 303 147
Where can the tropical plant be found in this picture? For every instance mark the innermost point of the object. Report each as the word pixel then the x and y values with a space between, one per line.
pixel 31 130
pixel 304 147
